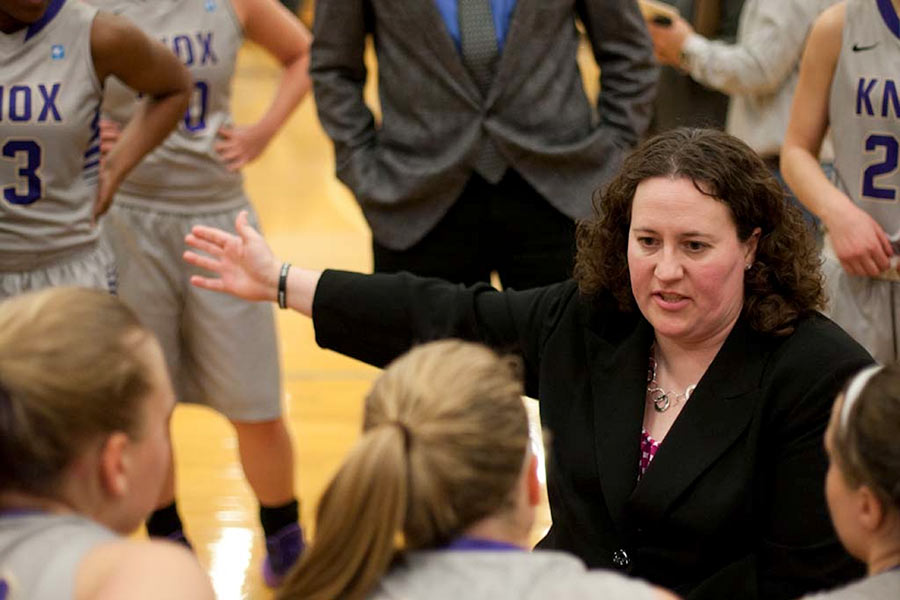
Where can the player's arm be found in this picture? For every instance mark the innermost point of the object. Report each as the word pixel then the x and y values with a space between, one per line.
pixel 272 26
pixel 758 64
pixel 860 244
pixel 119 48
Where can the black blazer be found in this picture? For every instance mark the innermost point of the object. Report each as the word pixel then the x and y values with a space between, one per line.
pixel 732 505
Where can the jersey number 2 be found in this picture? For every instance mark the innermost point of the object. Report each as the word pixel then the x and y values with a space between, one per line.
pixel 28 189
pixel 884 167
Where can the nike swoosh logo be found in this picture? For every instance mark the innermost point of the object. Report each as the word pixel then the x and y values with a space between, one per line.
pixel 858 48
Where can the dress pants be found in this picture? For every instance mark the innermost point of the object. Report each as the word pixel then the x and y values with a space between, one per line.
pixel 508 227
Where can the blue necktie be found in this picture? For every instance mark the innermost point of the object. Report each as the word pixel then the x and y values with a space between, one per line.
pixel 478 40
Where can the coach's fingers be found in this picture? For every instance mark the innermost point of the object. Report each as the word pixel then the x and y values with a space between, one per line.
pixel 208 283
pixel 213 235
pixel 204 262
pixel 244 228
pixel 202 245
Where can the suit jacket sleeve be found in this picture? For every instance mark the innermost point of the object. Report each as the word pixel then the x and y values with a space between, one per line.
pixel 339 75
pixel 375 318
pixel 628 71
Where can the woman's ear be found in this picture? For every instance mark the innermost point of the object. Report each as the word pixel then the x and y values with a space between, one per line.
pixel 114 464
pixel 750 246
pixel 871 511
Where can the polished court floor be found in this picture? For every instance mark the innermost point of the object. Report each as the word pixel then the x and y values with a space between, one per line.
pixel 309 219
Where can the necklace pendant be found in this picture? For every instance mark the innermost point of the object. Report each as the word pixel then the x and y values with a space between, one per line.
pixel 660 400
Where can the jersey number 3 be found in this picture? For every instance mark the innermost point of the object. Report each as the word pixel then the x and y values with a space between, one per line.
pixel 885 167
pixel 27 155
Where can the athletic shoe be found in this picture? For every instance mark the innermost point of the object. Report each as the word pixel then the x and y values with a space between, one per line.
pixel 282 551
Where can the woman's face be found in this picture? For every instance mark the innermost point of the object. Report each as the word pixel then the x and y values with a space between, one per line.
pixel 14 14
pixel 839 494
pixel 150 452
pixel 685 261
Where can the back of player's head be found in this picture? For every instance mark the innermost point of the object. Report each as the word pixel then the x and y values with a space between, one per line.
pixel 445 440
pixel 865 433
pixel 71 372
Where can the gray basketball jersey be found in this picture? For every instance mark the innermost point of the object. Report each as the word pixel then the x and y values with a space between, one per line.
pixel 864 111
pixel 49 138
pixel 40 554
pixel 185 174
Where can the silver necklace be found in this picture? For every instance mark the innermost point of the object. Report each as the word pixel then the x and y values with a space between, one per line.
pixel 662 399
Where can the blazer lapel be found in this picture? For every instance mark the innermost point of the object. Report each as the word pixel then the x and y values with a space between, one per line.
pixel 438 38
pixel 716 415
pixel 516 35
pixel 618 383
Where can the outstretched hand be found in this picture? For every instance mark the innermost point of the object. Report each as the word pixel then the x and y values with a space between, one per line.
pixel 244 263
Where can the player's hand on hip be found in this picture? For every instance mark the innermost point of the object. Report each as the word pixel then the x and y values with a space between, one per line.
pixel 109 136
pixel 243 264
pixel 106 189
pixel 238 146
pixel 859 242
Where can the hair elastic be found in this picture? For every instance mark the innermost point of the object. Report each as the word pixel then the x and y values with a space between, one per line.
pixel 407 434
pixel 854 390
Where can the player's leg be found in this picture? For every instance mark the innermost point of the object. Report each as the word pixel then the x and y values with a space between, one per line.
pixel 149 283
pixel 233 358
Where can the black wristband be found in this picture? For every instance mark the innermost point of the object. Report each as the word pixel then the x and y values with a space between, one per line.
pixel 282 284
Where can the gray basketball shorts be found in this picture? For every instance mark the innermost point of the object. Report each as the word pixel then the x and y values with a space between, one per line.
pixel 865 307
pixel 94 267
pixel 222 352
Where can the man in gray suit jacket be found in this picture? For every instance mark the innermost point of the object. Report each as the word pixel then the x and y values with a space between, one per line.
pixel 488 147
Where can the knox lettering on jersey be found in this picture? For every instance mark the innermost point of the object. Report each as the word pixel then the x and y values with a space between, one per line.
pixel 27 103
pixel 877 98
pixel 194 50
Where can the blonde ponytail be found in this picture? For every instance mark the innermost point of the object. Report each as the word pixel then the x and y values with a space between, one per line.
pixel 359 521
pixel 445 438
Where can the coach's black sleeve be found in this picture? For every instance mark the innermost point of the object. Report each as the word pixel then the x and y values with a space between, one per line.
pixel 375 318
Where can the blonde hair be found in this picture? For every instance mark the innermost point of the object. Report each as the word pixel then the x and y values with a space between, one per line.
pixel 444 443
pixel 70 372
pixel 865 438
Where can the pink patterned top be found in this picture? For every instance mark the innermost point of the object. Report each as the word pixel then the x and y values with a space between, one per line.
pixel 649 446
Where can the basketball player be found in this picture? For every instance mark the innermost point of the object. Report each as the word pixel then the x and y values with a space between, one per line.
pixel 849 80
pixel 85 402
pixel 54 58
pixel 222 352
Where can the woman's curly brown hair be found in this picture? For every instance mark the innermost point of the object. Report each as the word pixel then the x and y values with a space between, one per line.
pixel 784 282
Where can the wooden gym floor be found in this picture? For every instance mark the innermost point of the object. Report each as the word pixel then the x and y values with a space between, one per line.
pixel 312 220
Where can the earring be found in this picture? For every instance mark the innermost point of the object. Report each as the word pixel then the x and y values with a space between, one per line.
pixel 748 267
